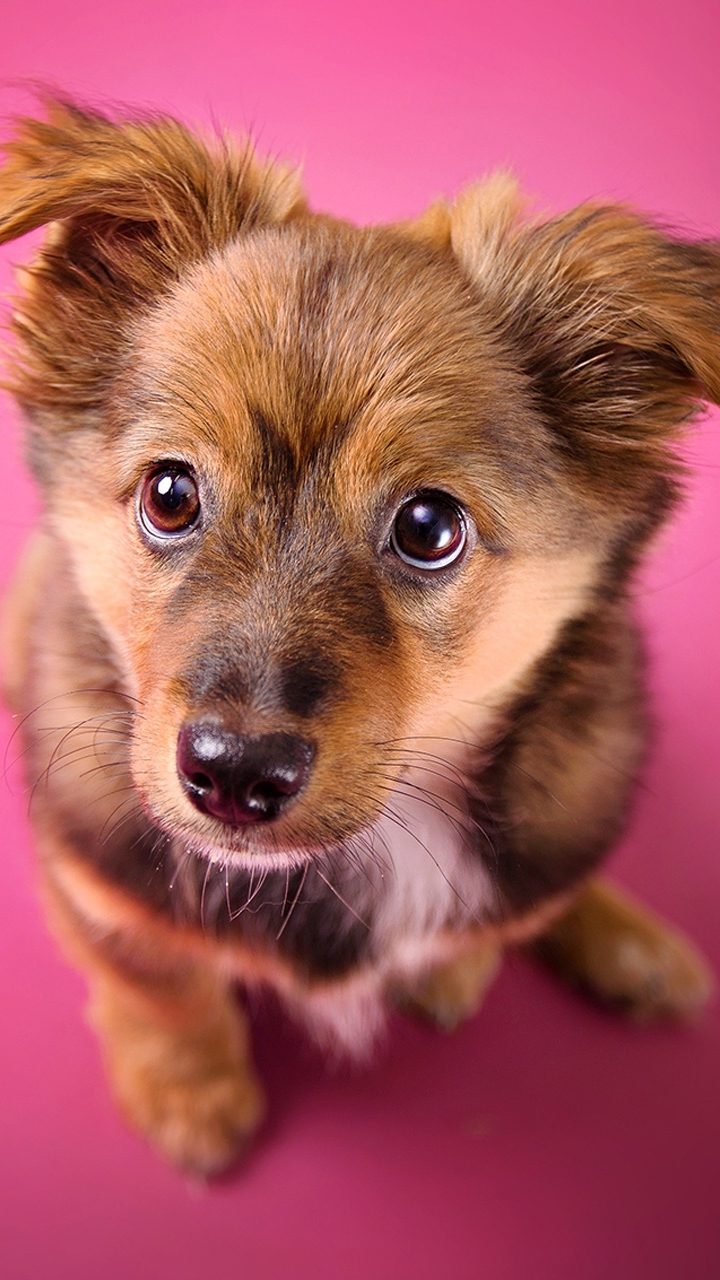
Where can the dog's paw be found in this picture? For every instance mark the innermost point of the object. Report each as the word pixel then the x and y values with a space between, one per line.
pixel 654 976
pixel 201 1120
pixel 451 993
pixel 627 957
pixel 189 1087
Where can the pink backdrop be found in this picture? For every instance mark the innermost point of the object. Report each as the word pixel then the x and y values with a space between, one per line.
pixel 545 1139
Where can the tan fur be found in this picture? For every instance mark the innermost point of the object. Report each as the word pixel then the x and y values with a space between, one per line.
pixel 627 957
pixel 174 1040
pixel 449 993
pixel 474 733
pixel 533 598
pixel 18 611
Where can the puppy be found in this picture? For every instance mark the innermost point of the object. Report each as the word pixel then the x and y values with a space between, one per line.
pixel 327 674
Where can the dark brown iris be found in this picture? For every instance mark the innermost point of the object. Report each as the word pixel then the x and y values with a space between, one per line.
pixel 169 501
pixel 429 531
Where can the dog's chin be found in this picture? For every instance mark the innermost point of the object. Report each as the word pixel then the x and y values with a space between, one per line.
pixel 261 846
pixel 252 858
pixel 247 847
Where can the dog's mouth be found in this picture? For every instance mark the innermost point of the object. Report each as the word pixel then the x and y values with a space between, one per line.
pixel 269 848
pixel 243 802
pixel 266 808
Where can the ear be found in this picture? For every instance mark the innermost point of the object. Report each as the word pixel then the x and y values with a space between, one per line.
pixel 615 323
pixel 133 203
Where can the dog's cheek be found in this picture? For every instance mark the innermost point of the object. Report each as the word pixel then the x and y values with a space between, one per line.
pixel 96 540
pixel 122 587
pixel 154 751
pixel 511 618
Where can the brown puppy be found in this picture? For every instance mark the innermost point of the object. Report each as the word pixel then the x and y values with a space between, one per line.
pixel 324 656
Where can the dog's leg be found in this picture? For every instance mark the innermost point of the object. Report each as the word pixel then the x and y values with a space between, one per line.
pixel 173 1038
pixel 179 1069
pixel 623 954
pixel 449 993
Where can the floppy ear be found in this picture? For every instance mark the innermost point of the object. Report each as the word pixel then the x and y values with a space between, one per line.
pixel 134 202
pixel 616 324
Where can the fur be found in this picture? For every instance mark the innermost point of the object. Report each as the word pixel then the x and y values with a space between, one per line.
pixel 469 734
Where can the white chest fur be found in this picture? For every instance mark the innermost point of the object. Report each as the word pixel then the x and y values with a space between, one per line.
pixel 424 875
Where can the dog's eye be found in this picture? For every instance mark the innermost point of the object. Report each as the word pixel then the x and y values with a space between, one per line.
pixel 429 531
pixel 169 502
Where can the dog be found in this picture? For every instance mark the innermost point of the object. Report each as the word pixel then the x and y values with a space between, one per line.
pixel 323 655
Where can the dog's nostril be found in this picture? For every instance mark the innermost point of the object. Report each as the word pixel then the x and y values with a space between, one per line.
pixel 266 793
pixel 200 782
pixel 240 778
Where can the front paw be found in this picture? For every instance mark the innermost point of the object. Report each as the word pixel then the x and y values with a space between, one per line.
pixel 192 1092
pixel 654 977
pixel 202 1122
pixel 449 994
pixel 628 957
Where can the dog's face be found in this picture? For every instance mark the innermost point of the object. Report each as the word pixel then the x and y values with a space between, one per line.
pixel 323 555
pixel 332 493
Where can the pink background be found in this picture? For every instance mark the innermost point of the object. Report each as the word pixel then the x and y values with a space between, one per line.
pixel 545 1139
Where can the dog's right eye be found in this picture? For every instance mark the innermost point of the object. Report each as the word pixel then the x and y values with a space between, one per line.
pixel 169 502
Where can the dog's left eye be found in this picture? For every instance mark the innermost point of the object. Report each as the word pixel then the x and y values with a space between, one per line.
pixel 169 501
pixel 429 531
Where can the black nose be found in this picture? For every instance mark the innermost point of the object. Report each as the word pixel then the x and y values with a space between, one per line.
pixel 241 778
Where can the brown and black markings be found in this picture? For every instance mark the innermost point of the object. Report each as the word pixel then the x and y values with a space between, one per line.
pixel 473 732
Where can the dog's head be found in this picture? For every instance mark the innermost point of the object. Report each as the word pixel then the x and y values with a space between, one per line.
pixel 331 492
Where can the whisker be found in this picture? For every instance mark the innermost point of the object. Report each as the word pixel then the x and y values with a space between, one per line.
pixel 294 903
pixel 202 894
pixel 43 732
pixel 55 755
pixel 429 796
pixel 110 826
pixel 71 693
pixel 252 893
pixel 461 776
pixel 64 763
pixel 227 890
pixel 394 817
pixel 340 898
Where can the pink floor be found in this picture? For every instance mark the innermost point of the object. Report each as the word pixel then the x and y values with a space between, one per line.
pixel 545 1140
